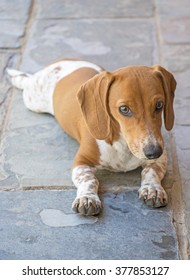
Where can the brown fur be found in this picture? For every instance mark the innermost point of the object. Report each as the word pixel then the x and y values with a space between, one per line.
pixel 88 107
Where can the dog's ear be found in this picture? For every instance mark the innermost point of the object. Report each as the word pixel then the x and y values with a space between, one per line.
pixel 93 100
pixel 169 86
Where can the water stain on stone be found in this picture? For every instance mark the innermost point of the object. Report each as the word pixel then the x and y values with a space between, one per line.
pixel 87 47
pixel 57 218
pixel 167 241
pixel 168 255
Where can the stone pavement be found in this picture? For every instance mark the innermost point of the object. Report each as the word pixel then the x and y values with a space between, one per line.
pixel 36 220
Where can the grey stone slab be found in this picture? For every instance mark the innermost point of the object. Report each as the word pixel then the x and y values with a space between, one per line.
pixel 182 134
pixel 6 60
pixel 173 9
pixel 187 219
pixel 182 104
pixel 177 57
pixel 95 9
pixel 10 32
pixel 126 229
pixel 174 20
pixel 133 42
pixel 14 9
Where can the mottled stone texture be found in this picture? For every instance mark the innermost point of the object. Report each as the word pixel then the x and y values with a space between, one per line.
pixel 126 229
pixel 95 9
pixel 111 43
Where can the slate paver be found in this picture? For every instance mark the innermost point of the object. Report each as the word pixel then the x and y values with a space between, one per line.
pixel 175 32
pixel 6 60
pixel 92 40
pixel 126 229
pixel 14 11
pixel 82 9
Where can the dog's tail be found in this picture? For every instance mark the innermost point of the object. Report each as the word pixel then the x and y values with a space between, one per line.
pixel 19 79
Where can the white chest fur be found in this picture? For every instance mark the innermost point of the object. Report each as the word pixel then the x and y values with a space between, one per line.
pixel 117 157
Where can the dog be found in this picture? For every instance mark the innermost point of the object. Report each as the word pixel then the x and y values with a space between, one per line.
pixel 115 116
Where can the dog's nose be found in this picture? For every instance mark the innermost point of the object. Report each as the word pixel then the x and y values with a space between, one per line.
pixel 153 151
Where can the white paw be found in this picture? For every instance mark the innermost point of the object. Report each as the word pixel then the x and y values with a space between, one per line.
pixel 87 205
pixel 153 196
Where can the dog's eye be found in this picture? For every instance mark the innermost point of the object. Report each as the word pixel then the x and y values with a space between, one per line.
pixel 159 106
pixel 124 110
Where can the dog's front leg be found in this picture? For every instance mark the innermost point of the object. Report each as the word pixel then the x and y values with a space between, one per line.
pixel 151 190
pixel 87 201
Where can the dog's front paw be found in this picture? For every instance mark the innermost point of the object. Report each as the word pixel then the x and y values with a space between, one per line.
pixel 153 196
pixel 87 205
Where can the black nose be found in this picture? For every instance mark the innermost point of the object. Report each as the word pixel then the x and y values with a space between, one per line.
pixel 153 151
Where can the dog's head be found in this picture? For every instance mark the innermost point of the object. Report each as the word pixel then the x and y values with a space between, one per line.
pixel 133 98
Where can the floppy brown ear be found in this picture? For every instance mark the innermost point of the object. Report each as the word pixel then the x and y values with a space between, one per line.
pixel 169 86
pixel 93 100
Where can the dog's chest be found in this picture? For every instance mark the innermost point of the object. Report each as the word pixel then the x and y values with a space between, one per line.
pixel 117 157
